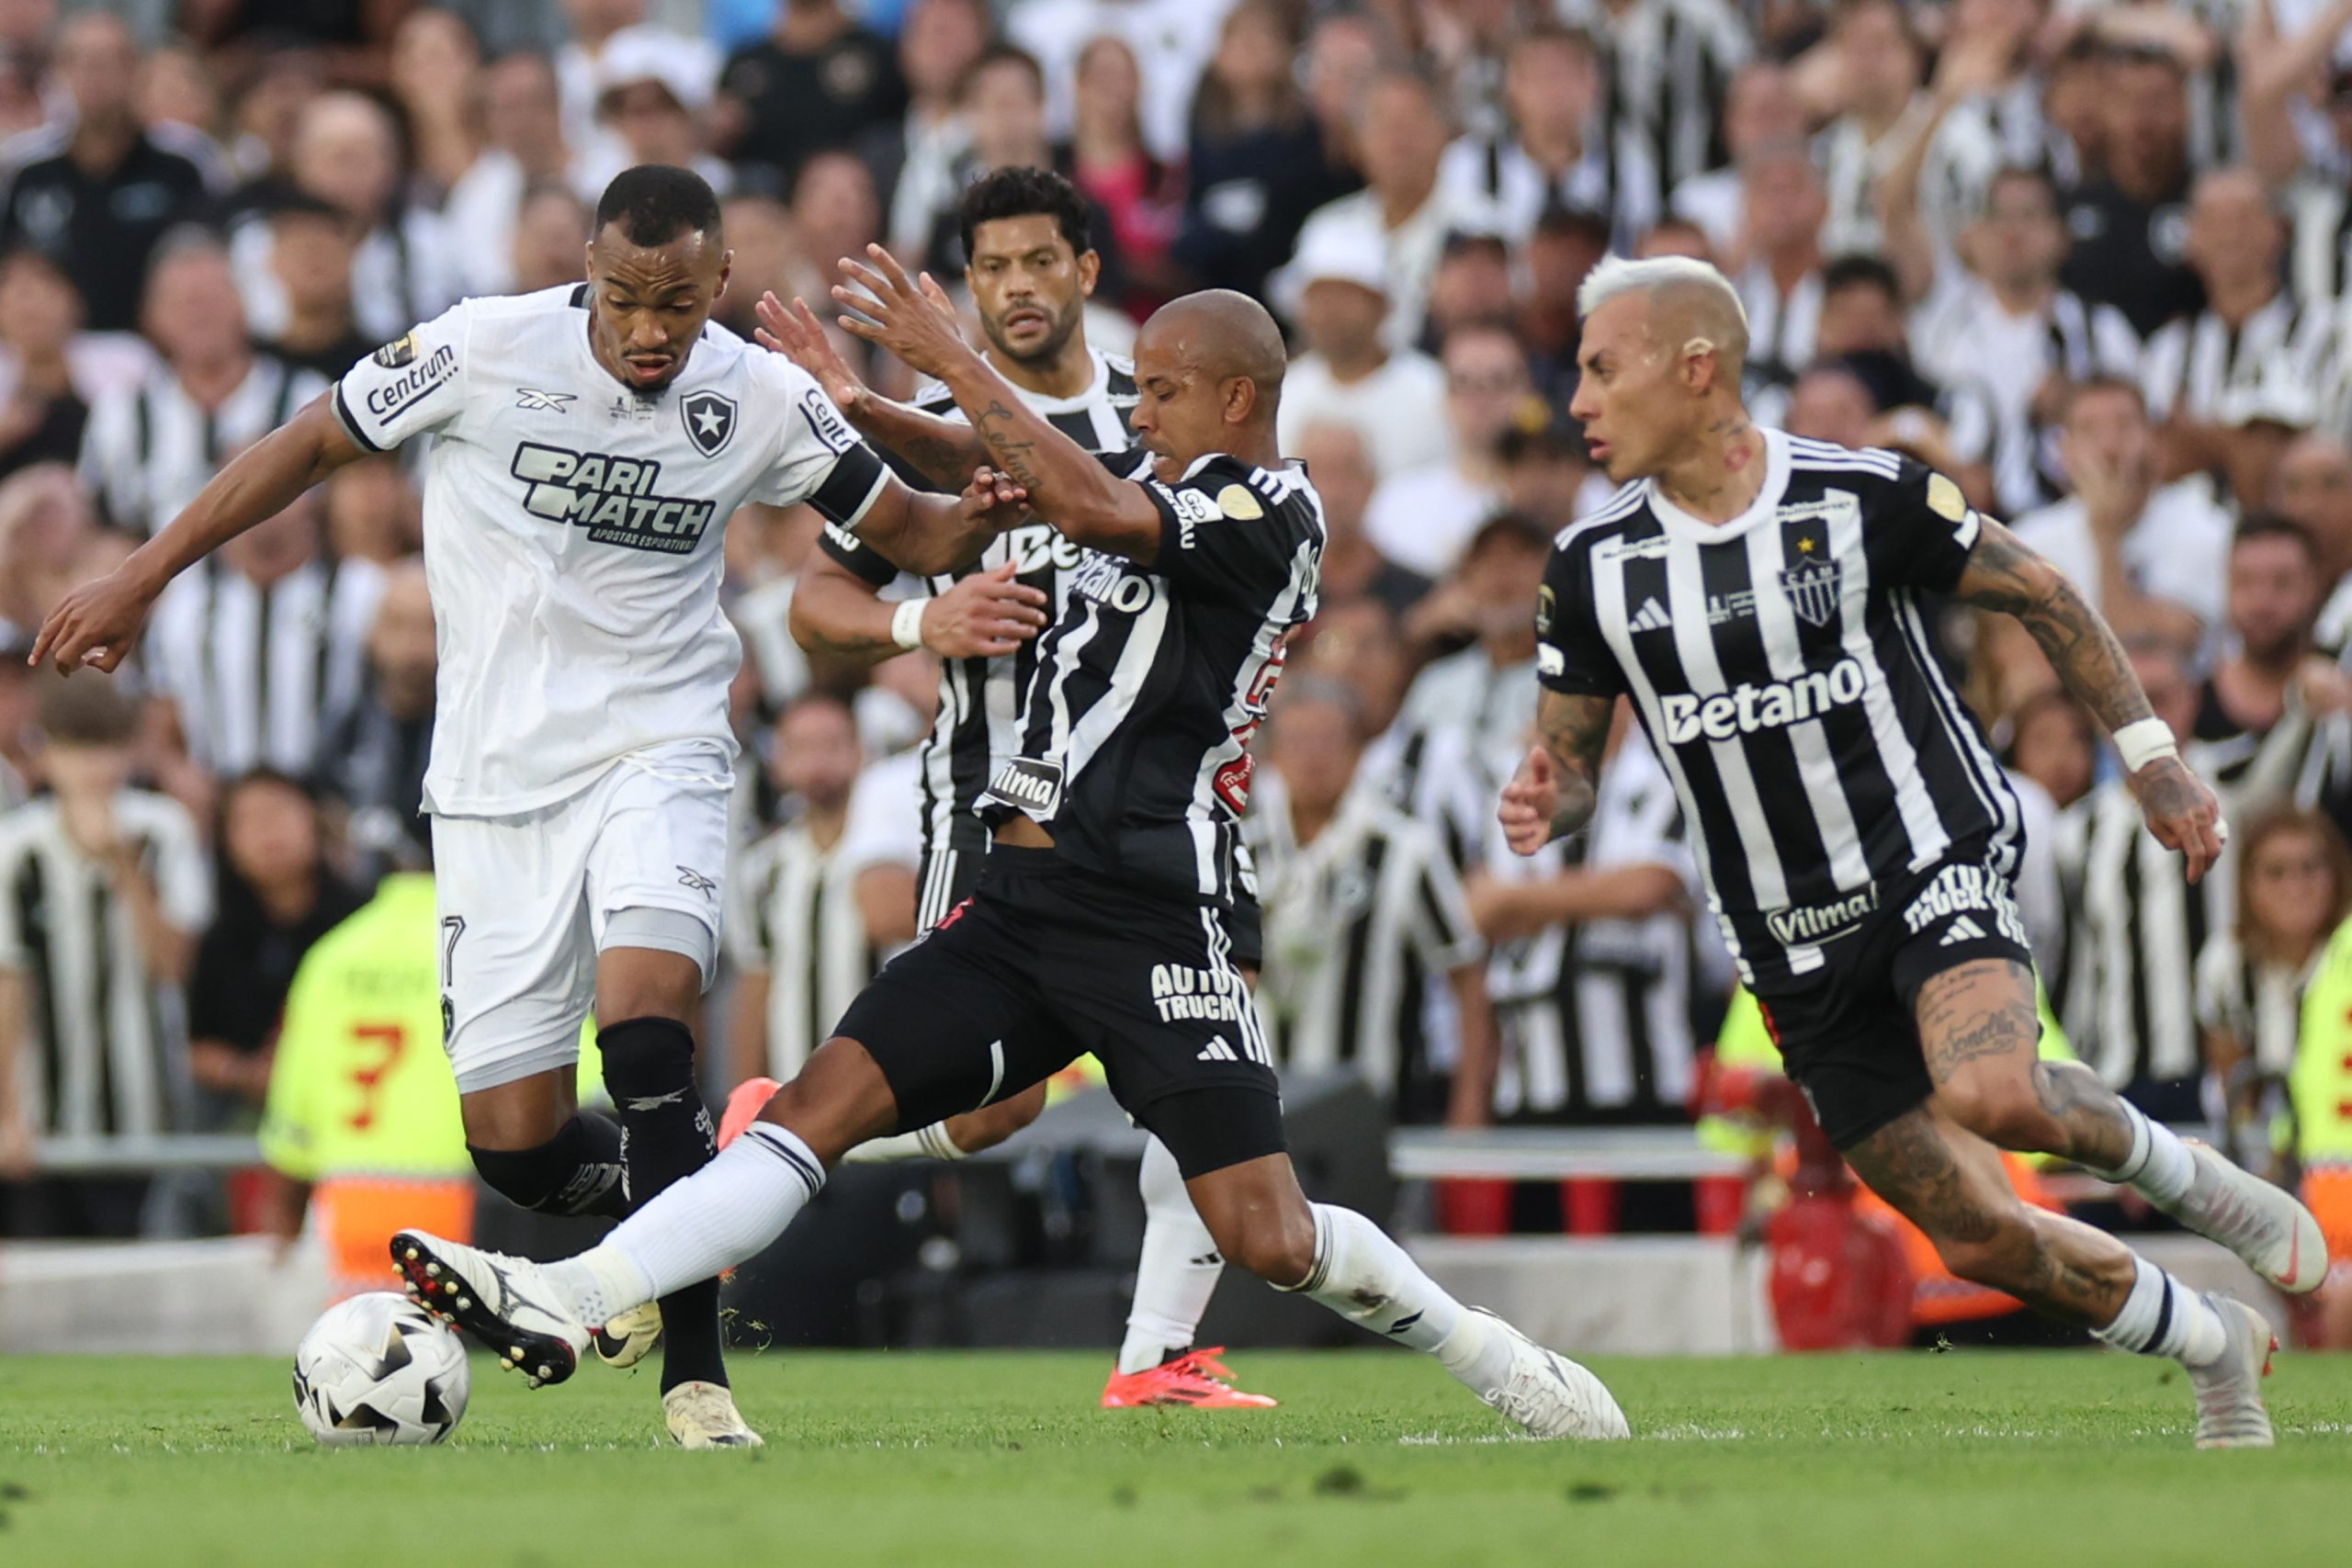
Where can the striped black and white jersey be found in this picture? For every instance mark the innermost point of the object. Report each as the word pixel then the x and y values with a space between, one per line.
pixel 978 723
pixel 1616 181
pixel 104 1049
pixel 796 919
pixel 2275 365
pixel 1670 63
pixel 1363 921
pixel 1780 665
pixel 264 674
pixel 149 449
pixel 2257 1002
pixel 1597 1018
pixel 1135 728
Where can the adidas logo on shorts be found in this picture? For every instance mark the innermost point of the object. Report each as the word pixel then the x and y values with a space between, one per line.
pixel 1963 929
pixel 1218 1050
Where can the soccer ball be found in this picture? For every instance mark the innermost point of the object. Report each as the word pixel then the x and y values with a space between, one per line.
pixel 380 1369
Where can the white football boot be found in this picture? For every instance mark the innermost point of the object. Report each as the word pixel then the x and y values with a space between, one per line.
pixel 702 1416
pixel 2264 1224
pixel 2230 1414
pixel 501 1301
pixel 1549 1395
pixel 631 1337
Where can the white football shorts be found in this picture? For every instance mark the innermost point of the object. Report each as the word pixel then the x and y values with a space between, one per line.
pixel 527 902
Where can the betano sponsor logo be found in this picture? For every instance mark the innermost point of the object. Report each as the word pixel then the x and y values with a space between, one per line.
pixel 1750 709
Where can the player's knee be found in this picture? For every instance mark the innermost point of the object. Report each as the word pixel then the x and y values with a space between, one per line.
pixel 646 1053
pixel 1277 1244
pixel 2006 1113
pixel 837 1100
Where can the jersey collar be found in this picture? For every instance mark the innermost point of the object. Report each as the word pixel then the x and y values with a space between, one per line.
pixel 1776 483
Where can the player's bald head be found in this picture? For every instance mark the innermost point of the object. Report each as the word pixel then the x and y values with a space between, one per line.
pixel 1222 336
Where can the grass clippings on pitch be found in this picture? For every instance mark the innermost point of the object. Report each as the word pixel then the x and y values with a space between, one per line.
pixel 975 1461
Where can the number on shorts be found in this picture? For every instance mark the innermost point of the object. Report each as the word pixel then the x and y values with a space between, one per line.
pixel 452 928
pixel 391 1039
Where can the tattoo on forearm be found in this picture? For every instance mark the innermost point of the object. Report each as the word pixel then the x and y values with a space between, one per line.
pixel 999 427
pixel 2006 576
pixel 1574 730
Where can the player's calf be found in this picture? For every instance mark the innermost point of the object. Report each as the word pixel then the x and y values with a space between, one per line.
pixel 578 1171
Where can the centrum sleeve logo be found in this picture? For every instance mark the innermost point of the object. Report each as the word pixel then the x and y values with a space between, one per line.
pixel 614 499
pixel 390 399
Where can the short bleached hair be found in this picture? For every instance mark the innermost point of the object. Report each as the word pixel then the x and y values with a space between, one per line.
pixel 1702 295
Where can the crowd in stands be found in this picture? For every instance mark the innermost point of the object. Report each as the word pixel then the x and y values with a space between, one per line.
pixel 2093 262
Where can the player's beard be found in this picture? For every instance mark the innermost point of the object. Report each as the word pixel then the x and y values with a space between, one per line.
pixel 1049 350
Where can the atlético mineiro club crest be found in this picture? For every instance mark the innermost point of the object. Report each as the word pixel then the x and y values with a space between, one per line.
pixel 1812 586
pixel 710 421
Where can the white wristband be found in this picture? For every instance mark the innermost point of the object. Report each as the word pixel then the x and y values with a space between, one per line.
pixel 2144 741
pixel 906 624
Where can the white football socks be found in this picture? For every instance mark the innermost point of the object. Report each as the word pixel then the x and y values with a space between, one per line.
pixel 1177 1271
pixel 695 1229
pixel 2159 1166
pixel 2164 1318
pixel 1362 1274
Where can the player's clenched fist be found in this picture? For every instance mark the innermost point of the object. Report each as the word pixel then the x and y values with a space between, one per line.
pixel 983 616
pixel 2182 813
pixel 1530 801
pixel 96 625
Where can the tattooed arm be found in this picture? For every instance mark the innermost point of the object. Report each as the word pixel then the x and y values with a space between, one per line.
pixel 941 451
pixel 1552 795
pixel 2005 574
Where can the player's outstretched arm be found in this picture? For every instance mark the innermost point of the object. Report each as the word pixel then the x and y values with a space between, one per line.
pixel 2006 574
pixel 928 534
pixel 97 624
pixel 1552 795
pixel 939 449
pixel 1063 480
pixel 840 615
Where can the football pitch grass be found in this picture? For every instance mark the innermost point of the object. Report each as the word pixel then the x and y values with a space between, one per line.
pixel 974 1460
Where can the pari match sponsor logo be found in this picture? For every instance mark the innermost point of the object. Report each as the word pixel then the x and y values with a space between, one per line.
pixel 616 500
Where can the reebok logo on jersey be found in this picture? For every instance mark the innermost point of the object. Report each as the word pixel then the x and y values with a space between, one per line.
pixel 530 399
pixel 1650 617
pixel 1801 923
pixel 1748 709
pixel 689 877
pixel 1963 930
pixel 413 385
pixel 613 498
pixel 1179 992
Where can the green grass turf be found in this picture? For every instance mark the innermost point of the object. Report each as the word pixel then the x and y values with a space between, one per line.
pixel 969 1460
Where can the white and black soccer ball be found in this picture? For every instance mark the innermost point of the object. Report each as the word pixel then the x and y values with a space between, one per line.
pixel 380 1369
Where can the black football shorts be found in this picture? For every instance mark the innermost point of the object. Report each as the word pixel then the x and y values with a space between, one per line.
pixel 1848 1031
pixel 1047 961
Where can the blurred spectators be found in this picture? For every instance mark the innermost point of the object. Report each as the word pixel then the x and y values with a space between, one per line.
pixel 95 192
pixel 1560 152
pixel 152 445
pixel 1261 155
pixel 913 159
pixel 1393 397
pixel 311 256
pixel 1339 456
pixel 2128 221
pixel 1420 517
pixel 807 929
pixel 1365 918
pixel 278 895
pixel 373 762
pixel 654 98
pixel 1107 159
pixel 107 890
pixel 818 80
pixel 44 411
pixel 264 656
pixel 523 146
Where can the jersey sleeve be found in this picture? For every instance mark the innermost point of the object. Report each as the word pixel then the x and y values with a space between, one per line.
pixel 1572 658
pixel 1220 534
pixel 1920 530
pixel 411 387
pixel 819 459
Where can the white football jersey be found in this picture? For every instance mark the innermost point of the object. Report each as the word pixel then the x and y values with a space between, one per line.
pixel 573 533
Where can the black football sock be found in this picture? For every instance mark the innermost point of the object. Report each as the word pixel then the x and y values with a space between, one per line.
pixel 666 1135
pixel 578 1171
